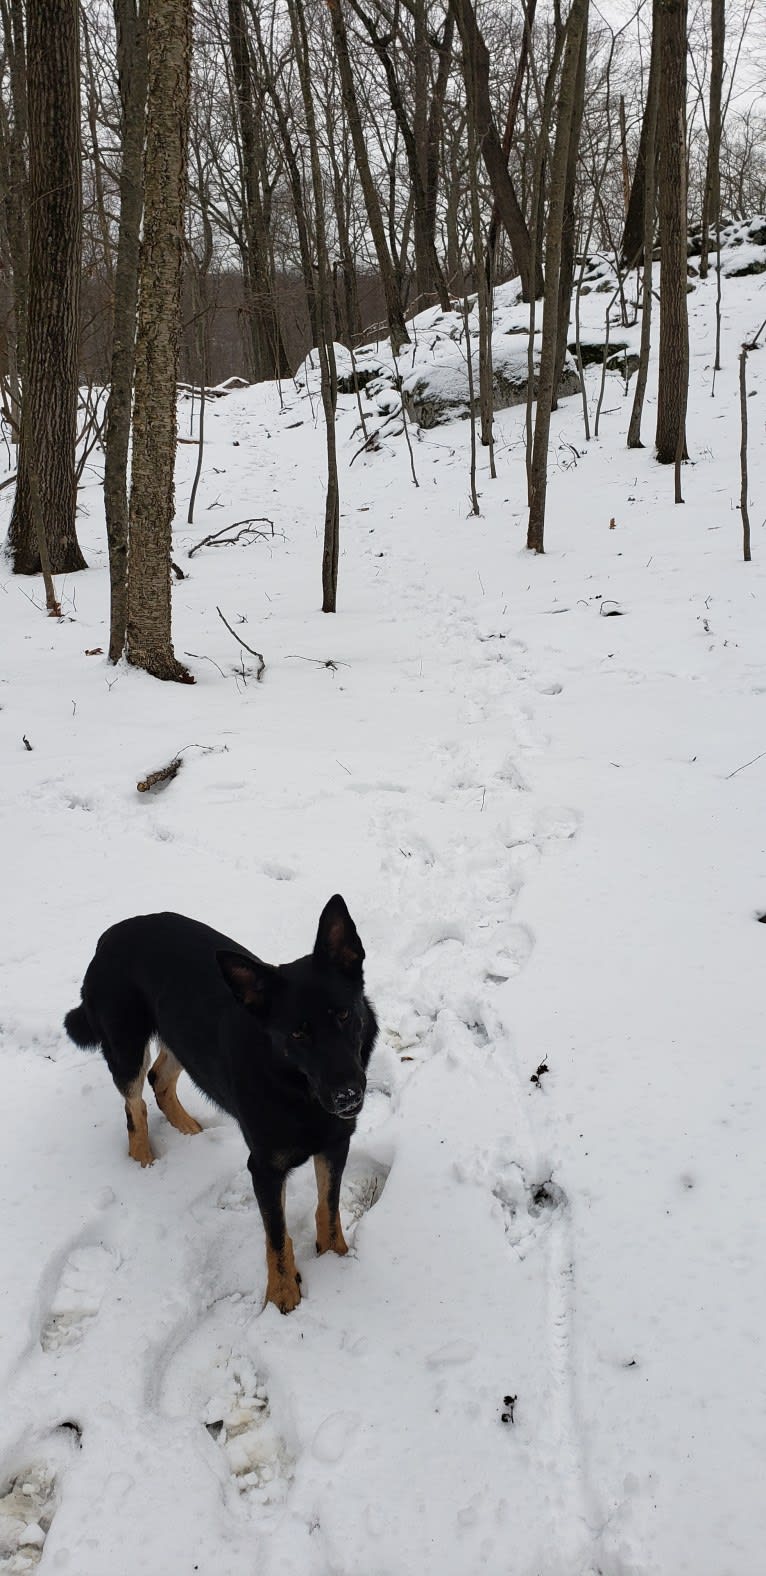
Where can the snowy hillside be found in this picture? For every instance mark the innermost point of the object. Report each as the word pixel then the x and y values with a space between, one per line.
pixel 544 1354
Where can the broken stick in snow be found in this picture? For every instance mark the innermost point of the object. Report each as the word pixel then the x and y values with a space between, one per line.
pixel 164 775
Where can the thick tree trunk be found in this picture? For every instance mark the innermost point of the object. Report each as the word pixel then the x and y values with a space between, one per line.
pixel 711 202
pixel 673 385
pixel 130 24
pixel 16 200
pixel 577 26
pixel 396 325
pixel 49 409
pixel 149 643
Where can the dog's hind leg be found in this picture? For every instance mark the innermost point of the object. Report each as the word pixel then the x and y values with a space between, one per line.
pixel 329 1171
pixel 284 1283
pixel 163 1077
pixel 139 1147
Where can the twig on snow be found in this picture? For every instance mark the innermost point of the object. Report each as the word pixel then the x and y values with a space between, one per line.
pixel 262 665
pixel 242 527
pixel 744 767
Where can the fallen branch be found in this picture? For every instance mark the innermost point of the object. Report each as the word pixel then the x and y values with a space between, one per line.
pixel 164 775
pixel 167 773
pixel 262 664
pixel 242 527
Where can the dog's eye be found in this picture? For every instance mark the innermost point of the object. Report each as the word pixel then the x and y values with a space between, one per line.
pixel 299 1034
pixel 343 1017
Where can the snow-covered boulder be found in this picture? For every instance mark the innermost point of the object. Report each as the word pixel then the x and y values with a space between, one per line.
pixel 367 365
pixel 437 390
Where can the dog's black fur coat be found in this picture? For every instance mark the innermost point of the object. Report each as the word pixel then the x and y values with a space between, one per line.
pixel 283 1049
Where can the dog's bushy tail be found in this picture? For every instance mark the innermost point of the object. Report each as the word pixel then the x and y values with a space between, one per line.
pixel 80 1029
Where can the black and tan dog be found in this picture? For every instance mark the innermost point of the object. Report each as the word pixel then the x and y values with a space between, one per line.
pixel 283 1049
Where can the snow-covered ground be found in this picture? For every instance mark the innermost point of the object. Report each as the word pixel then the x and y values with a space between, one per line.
pixel 545 826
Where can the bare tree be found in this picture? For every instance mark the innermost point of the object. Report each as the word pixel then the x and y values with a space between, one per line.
pixel 130 24
pixel 567 120
pixel 419 123
pixel 673 386
pixel 711 203
pixel 323 308
pixel 476 70
pixel 396 324
pixel 149 642
pixel 649 188
pixel 46 489
pixel 269 356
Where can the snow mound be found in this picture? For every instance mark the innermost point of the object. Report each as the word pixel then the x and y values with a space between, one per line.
pixel 438 391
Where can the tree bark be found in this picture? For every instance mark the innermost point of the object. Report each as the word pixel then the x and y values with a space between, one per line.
pixel 711 201
pixel 650 205
pixel 577 25
pixel 16 193
pixel 569 223
pixel 325 336
pixel 49 407
pixel 633 232
pixel 510 127
pixel 130 25
pixel 673 385
pixel 149 643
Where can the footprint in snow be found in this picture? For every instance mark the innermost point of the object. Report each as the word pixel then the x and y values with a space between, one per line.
pixel 363 1182
pixel 78 1296
pixel 238 1417
pixel 27 1508
pixel 28 1503
pixel 528 1207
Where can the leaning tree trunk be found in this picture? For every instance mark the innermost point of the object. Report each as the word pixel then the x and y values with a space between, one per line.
pixel 673 383
pixel 46 489
pixel 711 202
pixel 633 232
pixel 149 646
pixel 577 26
pixel 130 23
pixel 476 70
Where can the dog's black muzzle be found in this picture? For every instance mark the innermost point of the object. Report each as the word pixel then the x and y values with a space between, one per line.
pixel 347 1102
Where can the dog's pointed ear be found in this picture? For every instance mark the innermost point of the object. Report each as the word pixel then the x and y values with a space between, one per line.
pixel 337 939
pixel 250 981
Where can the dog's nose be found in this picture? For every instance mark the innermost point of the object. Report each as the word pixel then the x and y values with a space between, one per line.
pixel 348 1101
